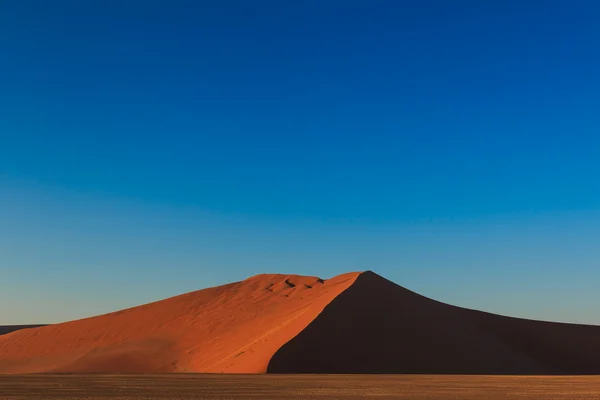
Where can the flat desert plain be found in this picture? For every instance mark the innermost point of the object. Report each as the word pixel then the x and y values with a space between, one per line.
pixel 218 386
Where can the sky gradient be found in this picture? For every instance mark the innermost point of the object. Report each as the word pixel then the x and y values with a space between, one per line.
pixel 153 148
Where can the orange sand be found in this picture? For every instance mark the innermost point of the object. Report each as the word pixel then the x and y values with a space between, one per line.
pixel 232 328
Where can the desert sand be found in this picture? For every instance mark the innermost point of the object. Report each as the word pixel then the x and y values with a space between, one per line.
pixel 265 387
pixel 354 323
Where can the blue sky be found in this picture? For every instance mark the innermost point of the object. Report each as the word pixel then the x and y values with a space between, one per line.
pixel 153 148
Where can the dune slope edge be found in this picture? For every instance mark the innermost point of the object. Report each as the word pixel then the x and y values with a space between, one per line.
pixel 4 329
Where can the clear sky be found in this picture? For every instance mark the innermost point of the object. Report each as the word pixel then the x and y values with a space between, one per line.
pixel 156 147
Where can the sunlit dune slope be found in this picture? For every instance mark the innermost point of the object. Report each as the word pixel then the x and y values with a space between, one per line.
pixel 231 328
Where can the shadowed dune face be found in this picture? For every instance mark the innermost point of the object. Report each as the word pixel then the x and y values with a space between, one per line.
pixel 376 326
pixel 231 328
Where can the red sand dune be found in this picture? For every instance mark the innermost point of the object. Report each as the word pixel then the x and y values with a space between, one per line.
pixel 353 323
pixel 231 328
